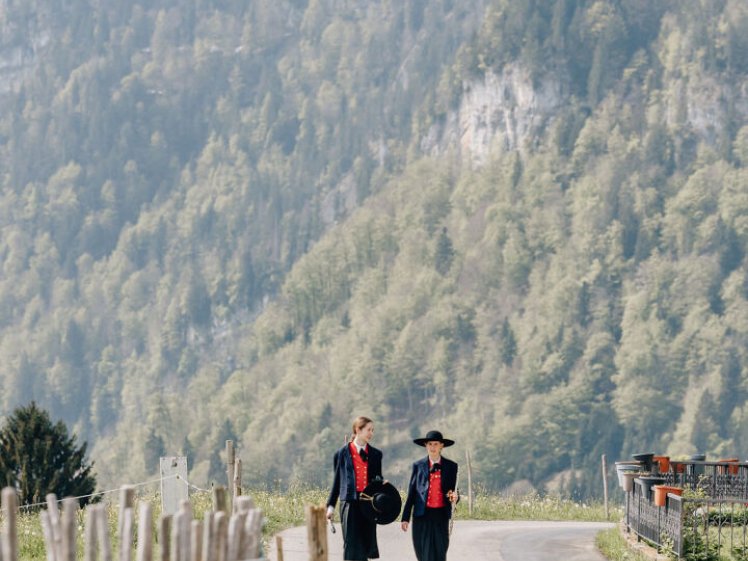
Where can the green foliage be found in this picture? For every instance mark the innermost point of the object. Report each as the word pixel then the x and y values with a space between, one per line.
pixel 254 212
pixel 38 457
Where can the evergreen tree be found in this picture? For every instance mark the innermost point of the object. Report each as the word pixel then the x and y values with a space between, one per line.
pixel 444 253
pixel 154 450
pixel 188 452
pixel 508 343
pixel 38 457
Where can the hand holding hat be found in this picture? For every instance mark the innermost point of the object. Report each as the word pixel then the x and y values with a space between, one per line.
pixel 380 502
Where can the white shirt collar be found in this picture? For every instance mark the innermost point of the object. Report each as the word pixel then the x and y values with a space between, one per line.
pixel 438 461
pixel 359 448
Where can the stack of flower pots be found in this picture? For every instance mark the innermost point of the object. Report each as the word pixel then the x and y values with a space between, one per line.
pixel 626 472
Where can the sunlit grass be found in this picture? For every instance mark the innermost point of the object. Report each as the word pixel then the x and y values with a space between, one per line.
pixel 536 507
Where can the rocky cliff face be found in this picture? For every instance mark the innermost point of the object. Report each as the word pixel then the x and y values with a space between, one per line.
pixel 706 105
pixel 507 111
pixel 503 111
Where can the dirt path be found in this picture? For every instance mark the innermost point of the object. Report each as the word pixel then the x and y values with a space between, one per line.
pixel 474 540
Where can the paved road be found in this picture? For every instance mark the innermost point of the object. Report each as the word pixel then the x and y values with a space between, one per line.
pixel 473 540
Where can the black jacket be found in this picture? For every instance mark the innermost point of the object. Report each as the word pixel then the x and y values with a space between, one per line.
pixel 344 483
pixel 418 487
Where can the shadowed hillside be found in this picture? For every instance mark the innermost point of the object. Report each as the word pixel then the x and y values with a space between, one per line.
pixel 519 221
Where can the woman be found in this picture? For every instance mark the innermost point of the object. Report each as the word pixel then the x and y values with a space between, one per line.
pixel 356 465
pixel 432 492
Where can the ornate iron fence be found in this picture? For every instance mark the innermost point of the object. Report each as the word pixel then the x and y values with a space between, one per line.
pixel 662 526
pixel 692 528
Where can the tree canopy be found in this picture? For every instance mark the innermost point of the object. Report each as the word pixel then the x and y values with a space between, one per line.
pixel 527 226
pixel 38 457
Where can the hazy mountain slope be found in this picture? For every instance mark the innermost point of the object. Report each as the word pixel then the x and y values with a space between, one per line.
pixel 255 222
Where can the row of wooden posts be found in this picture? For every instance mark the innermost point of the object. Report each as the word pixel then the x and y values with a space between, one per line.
pixel 220 536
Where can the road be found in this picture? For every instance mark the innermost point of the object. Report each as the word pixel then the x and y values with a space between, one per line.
pixel 473 540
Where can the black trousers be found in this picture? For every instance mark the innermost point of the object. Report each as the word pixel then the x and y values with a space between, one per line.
pixel 359 533
pixel 431 534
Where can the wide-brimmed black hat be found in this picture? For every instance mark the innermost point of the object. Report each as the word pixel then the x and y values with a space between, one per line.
pixel 431 436
pixel 380 502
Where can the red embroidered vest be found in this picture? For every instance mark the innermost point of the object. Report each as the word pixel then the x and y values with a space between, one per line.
pixel 435 497
pixel 360 468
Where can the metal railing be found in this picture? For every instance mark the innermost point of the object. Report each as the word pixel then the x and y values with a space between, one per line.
pixel 692 528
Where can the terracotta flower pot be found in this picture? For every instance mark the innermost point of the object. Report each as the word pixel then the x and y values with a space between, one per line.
pixel 661 491
pixel 623 467
pixel 663 463
pixel 733 469
pixel 678 467
pixel 628 481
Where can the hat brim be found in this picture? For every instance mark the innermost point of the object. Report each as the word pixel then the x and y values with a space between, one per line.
pixel 423 441
pixel 388 506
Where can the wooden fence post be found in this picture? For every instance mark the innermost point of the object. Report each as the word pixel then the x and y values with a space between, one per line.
pixel 230 459
pixel 54 547
pixel 180 534
pixel 196 547
pixel 279 547
pixel 237 477
pixel 69 528
pixel 220 529
pixel 145 534
pixel 316 534
pixel 253 528
pixel 470 483
pixel 10 536
pixel 102 529
pixel 234 537
pixel 126 500
pixel 208 536
pixel 90 544
pixel 125 537
pixel 243 504
pixel 219 499
pixel 605 486
pixel 164 536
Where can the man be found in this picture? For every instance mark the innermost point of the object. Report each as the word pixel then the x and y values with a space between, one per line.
pixel 431 493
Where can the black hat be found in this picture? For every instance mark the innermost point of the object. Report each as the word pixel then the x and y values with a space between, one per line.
pixel 380 502
pixel 434 435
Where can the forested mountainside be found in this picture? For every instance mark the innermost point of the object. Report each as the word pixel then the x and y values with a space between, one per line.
pixel 522 222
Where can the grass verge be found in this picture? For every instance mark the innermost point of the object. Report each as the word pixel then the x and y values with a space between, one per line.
pixel 614 546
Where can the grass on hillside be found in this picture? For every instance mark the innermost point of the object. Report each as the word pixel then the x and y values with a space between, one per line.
pixel 285 510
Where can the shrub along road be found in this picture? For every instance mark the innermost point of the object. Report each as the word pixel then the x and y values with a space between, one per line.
pixel 473 540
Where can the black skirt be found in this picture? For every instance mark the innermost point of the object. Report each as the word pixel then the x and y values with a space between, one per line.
pixel 431 534
pixel 359 533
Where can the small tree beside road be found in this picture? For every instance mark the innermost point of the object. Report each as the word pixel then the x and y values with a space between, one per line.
pixel 38 457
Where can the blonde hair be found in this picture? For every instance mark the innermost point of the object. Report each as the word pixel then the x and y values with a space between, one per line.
pixel 359 423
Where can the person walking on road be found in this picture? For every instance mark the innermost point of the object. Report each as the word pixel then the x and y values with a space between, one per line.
pixel 356 465
pixel 432 492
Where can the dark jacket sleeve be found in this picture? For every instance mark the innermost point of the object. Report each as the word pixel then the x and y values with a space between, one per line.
pixel 410 499
pixel 450 485
pixel 335 491
pixel 376 466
